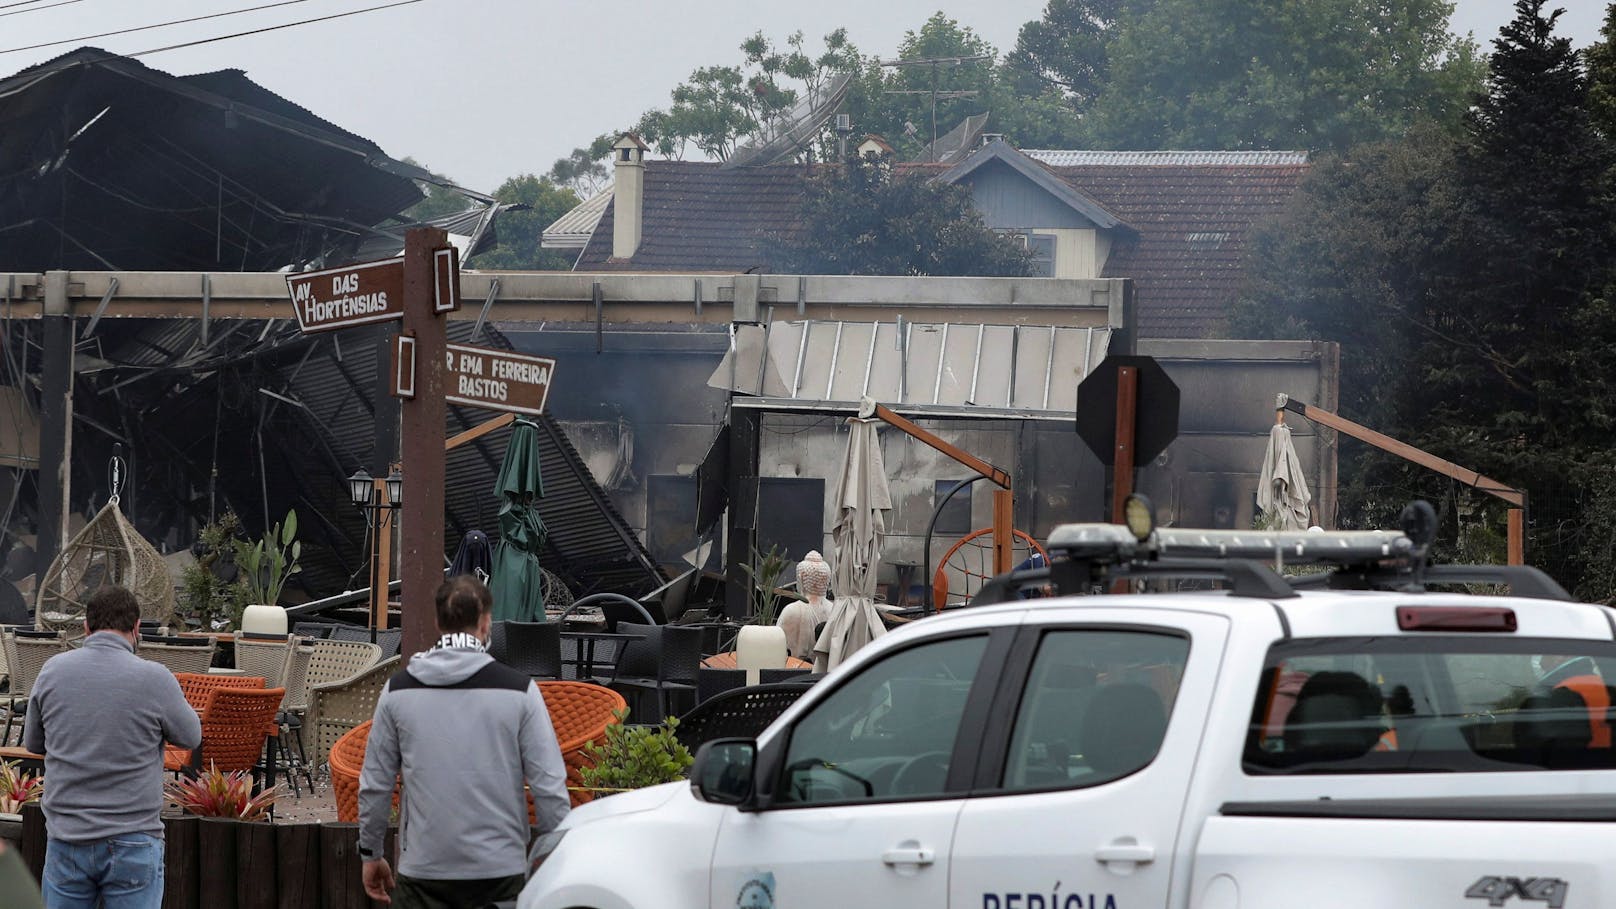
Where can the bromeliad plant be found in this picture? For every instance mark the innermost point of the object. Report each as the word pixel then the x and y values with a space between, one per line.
pixel 17 788
pixel 635 757
pixel 217 794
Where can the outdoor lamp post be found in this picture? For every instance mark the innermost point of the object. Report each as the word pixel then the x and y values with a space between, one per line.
pixel 378 499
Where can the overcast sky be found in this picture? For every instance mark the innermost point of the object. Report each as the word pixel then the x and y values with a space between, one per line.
pixel 485 89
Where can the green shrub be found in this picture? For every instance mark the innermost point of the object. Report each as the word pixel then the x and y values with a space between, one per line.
pixel 635 756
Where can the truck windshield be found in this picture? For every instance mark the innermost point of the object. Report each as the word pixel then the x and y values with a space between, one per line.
pixel 1433 704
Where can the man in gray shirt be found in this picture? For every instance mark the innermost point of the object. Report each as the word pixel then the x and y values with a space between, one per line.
pixel 100 716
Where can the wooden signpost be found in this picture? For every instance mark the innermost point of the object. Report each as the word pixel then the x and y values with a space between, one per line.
pixel 426 372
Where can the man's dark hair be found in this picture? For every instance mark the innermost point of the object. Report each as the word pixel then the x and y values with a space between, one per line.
pixel 462 601
pixel 112 608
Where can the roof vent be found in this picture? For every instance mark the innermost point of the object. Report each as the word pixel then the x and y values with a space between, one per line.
pixel 990 138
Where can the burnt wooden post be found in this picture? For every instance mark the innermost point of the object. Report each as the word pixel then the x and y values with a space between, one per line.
pixel 216 858
pixel 32 843
pixel 180 872
pixel 297 873
pixel 421 540
pixel 256 866
pixel 56 422
pixel 1127 404
pixel 745 447
pixel 341 880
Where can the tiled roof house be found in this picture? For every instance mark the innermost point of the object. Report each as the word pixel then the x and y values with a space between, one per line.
pixel 1177 223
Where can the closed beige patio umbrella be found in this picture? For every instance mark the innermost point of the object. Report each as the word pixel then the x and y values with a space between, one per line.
pixel 862 499
pixel 1282 494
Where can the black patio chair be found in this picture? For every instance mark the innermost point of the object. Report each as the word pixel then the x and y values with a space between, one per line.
pixel 533 648
pixel 774 676
pixel 315 630
pixel 388 639
pixel 665 659
pixel 737 713
pixel 614 607
pixel 712 682
pixel 496 640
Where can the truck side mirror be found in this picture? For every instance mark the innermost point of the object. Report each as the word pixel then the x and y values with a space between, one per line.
pixel 724 770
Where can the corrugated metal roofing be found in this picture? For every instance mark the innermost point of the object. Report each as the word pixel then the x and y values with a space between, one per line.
pixel 573 229
pixel 1019 370
pixel 1085 157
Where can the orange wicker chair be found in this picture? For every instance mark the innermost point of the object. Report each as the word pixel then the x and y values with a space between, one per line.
pixel 196 686
pixel 235 723
pixel 346 760
pixel 580 713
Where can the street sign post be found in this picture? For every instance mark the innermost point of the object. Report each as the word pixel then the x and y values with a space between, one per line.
pixel 352 295
pixel 1127 413
pixel 496 379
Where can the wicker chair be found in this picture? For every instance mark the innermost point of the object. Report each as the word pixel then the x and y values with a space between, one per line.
pixel 179 657
pixel 235 723
pixel 339 661
pixel 338 707
pixel 271 659
pixel 25 656
pixel 196 686
pixel 580 713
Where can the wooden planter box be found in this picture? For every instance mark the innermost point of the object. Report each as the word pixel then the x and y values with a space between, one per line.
pixel 213 863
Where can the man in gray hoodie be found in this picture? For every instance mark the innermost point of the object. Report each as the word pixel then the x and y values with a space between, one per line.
pixel 100 715
pixel 464 732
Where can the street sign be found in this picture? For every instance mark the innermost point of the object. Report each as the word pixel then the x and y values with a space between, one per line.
pixel 352 295
pixel 1156 409
pixel 496 379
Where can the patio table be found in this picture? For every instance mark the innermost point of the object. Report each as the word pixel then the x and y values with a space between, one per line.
pixel 584 644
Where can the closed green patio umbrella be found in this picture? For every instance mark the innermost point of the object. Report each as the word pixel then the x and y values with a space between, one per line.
pixel 517 585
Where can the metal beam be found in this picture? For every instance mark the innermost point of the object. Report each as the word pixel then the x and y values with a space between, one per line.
pixel 56 423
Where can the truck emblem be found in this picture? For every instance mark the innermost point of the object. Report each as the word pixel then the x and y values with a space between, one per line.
pixel 1498 890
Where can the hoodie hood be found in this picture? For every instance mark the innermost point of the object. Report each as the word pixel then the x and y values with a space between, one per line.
pixel 446 665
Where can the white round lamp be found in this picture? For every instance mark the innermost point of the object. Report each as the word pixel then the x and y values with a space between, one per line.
pixel 264 620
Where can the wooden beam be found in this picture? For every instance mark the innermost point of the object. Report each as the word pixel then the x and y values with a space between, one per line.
pixel 1408 452
pixel 999 477
pixel 1517 536
pixel 421 536
pixel 1122 454
pixel 478 431
pixel 1004 538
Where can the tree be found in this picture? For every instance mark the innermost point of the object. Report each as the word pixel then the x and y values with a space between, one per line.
pixel 864 219
pixel 1601 61
pixel 1469 281
pixel 585 171
pixel 720 108
pixel 440 199
pixel 1067 49
pixel 520 232
pixel 1311 74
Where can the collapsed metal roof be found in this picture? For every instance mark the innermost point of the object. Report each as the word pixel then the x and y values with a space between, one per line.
pixel 259 418
pixel 106 163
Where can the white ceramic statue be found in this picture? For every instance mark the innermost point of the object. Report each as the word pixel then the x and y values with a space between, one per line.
pixel 799 619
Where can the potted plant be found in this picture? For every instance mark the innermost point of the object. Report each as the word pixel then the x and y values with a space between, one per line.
pixel 635 757
pixel 18 788
pixel 266 566
pixel 214 793
pixel 209 597
pixel 761 644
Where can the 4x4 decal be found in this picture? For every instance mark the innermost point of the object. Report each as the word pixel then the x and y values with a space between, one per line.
pixel 1498 890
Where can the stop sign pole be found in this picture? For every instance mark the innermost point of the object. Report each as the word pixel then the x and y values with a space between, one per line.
pixel 1127 403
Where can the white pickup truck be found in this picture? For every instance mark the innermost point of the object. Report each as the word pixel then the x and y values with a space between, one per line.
pixel 1348 738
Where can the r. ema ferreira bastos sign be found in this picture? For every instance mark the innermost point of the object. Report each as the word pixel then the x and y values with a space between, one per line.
pixel 496 379
pixel 351 295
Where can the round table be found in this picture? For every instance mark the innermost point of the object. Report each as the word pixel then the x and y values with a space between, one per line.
pixel 726 660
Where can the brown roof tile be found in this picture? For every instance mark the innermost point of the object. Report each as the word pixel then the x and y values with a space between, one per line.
pixel 1187 261
pixel 1194 222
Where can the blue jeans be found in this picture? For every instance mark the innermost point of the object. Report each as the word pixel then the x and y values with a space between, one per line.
pixel 119 872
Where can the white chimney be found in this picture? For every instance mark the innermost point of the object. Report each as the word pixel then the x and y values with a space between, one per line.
pixel 628 195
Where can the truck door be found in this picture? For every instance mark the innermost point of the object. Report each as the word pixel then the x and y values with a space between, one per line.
pixel 1079 801
pixel 869 788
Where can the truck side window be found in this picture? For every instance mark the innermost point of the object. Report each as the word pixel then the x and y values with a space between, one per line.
pixel 1095 708
pixel 888 732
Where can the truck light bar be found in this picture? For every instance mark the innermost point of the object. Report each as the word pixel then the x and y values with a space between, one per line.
pixel 1282 547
